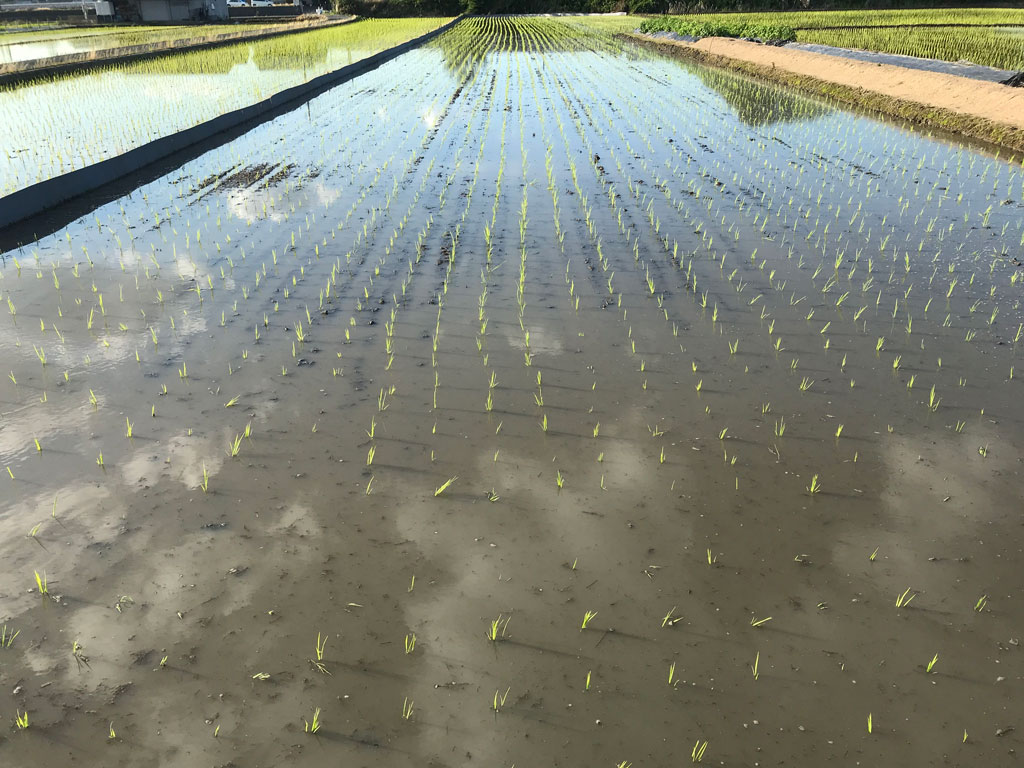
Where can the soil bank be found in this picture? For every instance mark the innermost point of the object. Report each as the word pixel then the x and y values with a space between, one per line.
pixel 987 111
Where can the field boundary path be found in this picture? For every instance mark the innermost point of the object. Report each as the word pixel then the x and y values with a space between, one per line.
pixel 37 198
pixel 52 66
pixel 982 110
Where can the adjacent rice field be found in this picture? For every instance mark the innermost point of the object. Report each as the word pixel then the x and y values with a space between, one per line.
pixel 82 118
pixel 530 400
pixel 987 36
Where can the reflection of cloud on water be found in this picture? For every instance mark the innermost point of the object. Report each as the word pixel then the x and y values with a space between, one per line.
pixel 61 418
pixel 181 458
pixel 86 515
pixel 430 117
pixel 324 194
pixel 253 203
pixel 542 341
pixel 918 522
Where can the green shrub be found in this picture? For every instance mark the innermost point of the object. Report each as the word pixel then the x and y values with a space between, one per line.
pixel 723 28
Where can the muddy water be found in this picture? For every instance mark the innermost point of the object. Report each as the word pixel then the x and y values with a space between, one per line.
pixel 503 266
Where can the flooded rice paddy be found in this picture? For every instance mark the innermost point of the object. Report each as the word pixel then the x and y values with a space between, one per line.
pixel 530 400
pixel 55 125
pixel 18 46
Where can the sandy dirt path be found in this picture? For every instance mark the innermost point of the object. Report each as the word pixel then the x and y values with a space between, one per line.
pixel 972 99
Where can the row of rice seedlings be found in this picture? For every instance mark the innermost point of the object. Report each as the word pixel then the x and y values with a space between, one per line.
pixel 815 484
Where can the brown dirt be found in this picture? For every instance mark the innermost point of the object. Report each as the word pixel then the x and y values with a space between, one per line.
pixel 958 97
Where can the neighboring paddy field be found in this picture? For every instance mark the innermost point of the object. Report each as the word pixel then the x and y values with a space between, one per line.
pixel 41 44
pixel 987 36
pixel 52 126
pixel 533 399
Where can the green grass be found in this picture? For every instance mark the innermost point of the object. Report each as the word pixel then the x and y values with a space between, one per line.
pixel 719 26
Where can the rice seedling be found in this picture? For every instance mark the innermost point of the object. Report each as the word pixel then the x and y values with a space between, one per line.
pixel 496 628
pixel 444 486
pixel 499 699
pixel 904 598
pixel 407 709
pixel 587 617
pixel 313 725
pixel 697 753
pixel 7 636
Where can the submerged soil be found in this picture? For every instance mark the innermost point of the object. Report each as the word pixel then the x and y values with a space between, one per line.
pixel 518 423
